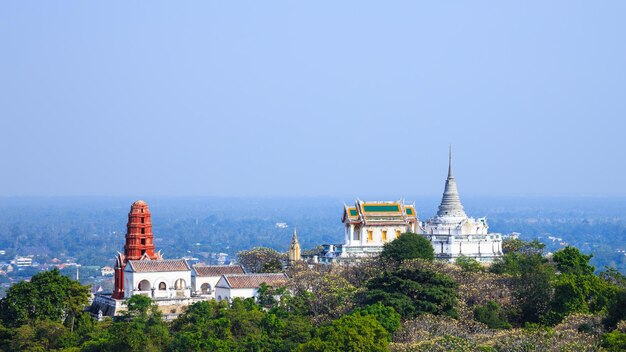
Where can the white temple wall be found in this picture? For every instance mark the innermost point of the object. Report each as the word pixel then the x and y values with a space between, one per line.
pixel 132 280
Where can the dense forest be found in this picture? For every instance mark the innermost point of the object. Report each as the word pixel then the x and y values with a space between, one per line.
pixel 401 301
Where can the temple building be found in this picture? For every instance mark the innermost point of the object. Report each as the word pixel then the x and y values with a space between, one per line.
pixel 454 234
pixel 172 284
pixel 368 226
pixel 294 249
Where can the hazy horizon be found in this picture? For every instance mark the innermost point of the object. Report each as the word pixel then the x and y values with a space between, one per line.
pixel 349 99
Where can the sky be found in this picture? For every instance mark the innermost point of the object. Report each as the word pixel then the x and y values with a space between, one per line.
pixel 317 98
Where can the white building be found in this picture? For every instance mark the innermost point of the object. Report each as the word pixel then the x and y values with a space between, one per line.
pixel 21 262
pixel 246 285
pixel 165 278
pixel 204 278
pixel 454 234
pixel 107 271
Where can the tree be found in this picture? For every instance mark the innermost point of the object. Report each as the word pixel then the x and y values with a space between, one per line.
pixel 49 295
pixel 138 306
pixel 491 315
pixel 411 291
pixel 261 260
pixel 569 260
pixel 205 326
pixel 533 286
pixel 469 264
pixel 579 294
pixel 408 246
pixel 386 316
pixel 349 333
pixel 322 296
pixel 617 309
pixel 614 341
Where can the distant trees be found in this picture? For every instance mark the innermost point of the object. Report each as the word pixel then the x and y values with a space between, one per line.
pixel 408 246
pixel 261 260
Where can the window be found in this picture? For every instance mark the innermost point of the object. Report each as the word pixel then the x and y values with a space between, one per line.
pixel 370 235
pixel 142 219
pixel 206 288
pixel 179 284
pixel 357 235
pixel 143 241
pixel 162 286
pixel 143 251
pixel 143 231
pixel 384 235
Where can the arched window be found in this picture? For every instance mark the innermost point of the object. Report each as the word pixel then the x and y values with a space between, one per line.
pixel 162 286
pixel 179 284
pixel 206 288
pixel 144 285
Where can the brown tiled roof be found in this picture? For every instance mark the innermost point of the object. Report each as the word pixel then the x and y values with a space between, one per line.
pixel 149 266
pixel 218 270
pixel 255 280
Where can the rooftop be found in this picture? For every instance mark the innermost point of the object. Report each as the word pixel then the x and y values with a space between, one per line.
pixel 218 270
pixel 163 265
pixel 255 280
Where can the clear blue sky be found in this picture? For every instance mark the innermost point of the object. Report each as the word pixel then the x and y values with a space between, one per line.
pixel 270 98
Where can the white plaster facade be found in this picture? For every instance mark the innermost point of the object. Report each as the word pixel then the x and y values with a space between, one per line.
pixel 204 279
pixel 245 286
pixel 155 282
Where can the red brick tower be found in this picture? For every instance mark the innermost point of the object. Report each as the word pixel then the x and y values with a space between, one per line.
pixel 139 243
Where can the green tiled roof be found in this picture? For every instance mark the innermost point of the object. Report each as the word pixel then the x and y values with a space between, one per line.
pixel 381 208
pixel 353 212
pixel 409 211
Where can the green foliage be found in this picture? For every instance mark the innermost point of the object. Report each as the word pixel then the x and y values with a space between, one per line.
pixel 244 326
pixel 569 260
pixel 614 341
pixel 491 315
pixel 349 333
pixel 413 291
pixel 138 305
pixel 579 294
pixel 533 287
pixel 617 308
pixel 261 260
pixel 408 246
pixel 267 295
pixel 532 280
pixel 386 316
pixel 469 264
pixel 48 296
